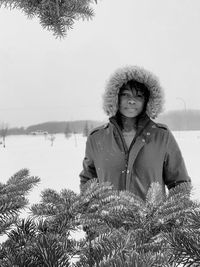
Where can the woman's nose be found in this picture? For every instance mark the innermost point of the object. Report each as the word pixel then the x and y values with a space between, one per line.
pixel 131 101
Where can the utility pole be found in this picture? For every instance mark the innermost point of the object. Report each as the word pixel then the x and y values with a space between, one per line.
pixel 185 110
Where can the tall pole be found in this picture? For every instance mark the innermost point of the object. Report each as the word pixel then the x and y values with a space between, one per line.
pixel 185 109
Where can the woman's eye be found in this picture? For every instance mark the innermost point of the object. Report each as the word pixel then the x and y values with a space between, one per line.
pixel 125 95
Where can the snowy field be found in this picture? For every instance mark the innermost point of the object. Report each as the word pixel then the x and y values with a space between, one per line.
pixel 58 166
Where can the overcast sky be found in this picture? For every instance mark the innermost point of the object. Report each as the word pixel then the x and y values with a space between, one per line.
pixel 47 79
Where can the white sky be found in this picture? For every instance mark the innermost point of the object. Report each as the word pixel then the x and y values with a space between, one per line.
pixel 46 79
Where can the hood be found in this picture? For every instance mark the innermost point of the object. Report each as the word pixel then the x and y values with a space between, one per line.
pixel 139 74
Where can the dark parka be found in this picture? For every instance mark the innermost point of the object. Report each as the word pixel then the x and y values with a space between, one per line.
pixel 153 156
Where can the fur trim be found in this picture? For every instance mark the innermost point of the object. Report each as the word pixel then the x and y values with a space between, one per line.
pixel 122 76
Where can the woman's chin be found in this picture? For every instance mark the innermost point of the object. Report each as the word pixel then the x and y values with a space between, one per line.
pixel 130 113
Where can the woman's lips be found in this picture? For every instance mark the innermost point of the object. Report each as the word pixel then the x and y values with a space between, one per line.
pixel 131 109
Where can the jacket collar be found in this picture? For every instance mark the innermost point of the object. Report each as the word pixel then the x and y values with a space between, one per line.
pixel 142 122
pixel 142 135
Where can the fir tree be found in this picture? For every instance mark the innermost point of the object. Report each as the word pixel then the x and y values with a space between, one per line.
pixel 54 15
pixel 120 229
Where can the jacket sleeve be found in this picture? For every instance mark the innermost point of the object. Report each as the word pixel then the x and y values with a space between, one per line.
pixel 89 170
pixel 174 170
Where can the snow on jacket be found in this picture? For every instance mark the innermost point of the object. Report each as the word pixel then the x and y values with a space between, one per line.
pixel 153 156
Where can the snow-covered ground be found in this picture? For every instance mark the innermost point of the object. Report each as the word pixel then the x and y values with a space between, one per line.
pixel 59 165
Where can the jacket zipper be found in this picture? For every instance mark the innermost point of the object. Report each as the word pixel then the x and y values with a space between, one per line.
pixel 126 151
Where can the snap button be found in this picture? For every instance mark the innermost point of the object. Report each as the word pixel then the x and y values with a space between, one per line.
pixel 148 133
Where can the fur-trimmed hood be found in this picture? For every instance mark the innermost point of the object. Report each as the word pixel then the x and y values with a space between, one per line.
pixel 122 76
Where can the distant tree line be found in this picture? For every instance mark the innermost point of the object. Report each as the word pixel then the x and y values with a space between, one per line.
pixel 181 120
pixel 55 127
pixel 177 120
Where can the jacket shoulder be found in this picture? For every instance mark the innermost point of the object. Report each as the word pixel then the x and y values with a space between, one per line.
pixel 160 125
pixel 163 126
pixel 97 129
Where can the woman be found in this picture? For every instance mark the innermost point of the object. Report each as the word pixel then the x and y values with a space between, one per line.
pixel 132 151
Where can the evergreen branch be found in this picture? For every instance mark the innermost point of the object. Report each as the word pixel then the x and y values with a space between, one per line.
pixel 104 247
pixel 12 197
pixel 193 218
pixel 19 184
pixel 8 205
pixel 51 252
pixel 120 229
pixel 30 245
pixel 25 231
pixel 154 195
pixel 56 208
pixel 44 210
pixel 54 15
pixel 7 222
pixel 185 246
pixel 53 203
pixel 182 188
pixel 143 222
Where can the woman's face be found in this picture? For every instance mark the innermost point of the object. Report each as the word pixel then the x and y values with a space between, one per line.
pixel 131 102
